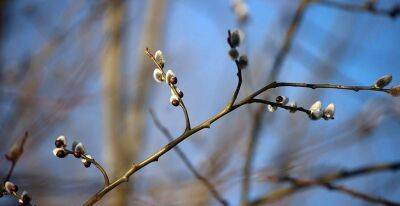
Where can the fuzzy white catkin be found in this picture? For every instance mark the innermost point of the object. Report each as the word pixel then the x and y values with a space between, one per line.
pixel 9 187
pixel 315 110
pixel 173 97
pixel 329 111
pixel 316 106
pixel 159 57
pixel 63 139
pixel 293 105
pixel 158 75
pixel 56 150
pixel 84 160
pixel 80 148
pixel 271 108
pixel 169 75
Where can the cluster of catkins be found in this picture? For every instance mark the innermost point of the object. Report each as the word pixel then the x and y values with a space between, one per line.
pixel 12 189
pixel 316 111
pixel 78 150
pixel 169 77
pixel 234 39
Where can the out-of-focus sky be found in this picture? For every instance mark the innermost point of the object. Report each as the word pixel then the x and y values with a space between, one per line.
pixel 331 46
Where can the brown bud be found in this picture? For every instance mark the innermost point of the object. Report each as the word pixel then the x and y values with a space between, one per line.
pixel 79 150
pixel 25 198
pixel 87 162
pixel 16 149
pixel 61 141
pixel 60 152
pixel 175 102
pixel 180 93
pixel 173 80
pixel 171 77
pixel 233 53
pixel 243 61
pixel 395 91
pixel 383 81
pixel 282 100
pixel 234 38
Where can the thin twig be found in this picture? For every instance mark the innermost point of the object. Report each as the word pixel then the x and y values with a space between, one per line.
pixel 10 171
pixel 98 166
pixel 187 162
pixel 297 182
pixel 366 7
pixel 324 179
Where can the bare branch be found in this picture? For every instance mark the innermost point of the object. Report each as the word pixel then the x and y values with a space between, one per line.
pixel 323 180
pixel 368 6
pixel 187 162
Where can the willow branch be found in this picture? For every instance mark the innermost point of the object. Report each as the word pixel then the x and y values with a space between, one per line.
pixel 323 180
pixel 317 86
pixel 211 188
pixel 207 124
pixel 10 171
pixel 366 7
pixel 98 166
pixel 331 186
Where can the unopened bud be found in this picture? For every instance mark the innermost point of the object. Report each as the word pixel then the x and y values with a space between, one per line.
pixel 233 53
pixel 61 141
pixel 60 152
pixel 271 108
pixel 158 75
pixel 170 77
pixel 159 57
pixel 86 161
pixel 79 150
pixel 174 100
pixel 383 81
pixel 234 38
pixel 25 198
pixel 10 187
pixel 178 91
pixel 243 61
pixel 293 106
pixel 329 112
pixel 241 10
pixel 395 91
pixel 282 100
